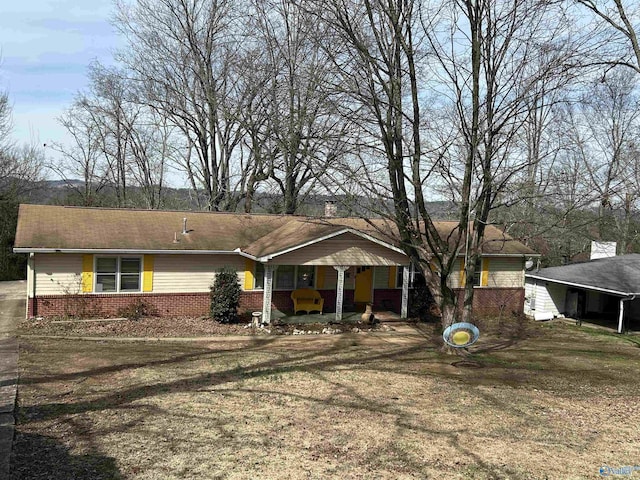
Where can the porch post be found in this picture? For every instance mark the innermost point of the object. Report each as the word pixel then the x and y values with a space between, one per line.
pixel 267 293
pixel 621 316
pixel 404 310
pixel 340 290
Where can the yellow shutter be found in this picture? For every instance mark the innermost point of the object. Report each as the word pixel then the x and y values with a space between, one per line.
pixel 484 279
pixel 87 273
pixel 249 266
pixel 147 273
pixel 320 277
pixel 462 275
pixel 393 271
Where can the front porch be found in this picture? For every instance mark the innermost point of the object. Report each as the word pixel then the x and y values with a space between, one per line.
pixel 341 267
pixel 344 301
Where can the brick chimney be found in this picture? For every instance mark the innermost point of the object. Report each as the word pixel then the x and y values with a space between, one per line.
pixel 330 209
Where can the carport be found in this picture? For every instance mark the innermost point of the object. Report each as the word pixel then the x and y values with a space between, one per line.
pixel 607 289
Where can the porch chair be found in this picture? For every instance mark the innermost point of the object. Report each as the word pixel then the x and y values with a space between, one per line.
pixel 307 300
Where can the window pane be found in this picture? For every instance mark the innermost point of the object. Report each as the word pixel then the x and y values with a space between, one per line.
pixel 285 279
pixel 106 265
pixel 105 283
pixel 130 265
pixel 305 276
pixel 478 273
pixel 129 282
pixel 259 276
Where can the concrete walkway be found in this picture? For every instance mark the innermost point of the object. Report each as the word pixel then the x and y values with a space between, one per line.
pixel 12 309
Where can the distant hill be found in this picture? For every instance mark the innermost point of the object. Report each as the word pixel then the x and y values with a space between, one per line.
pixel 59 192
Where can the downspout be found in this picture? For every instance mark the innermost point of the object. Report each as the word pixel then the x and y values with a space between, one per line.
pixel 621 314
pixel 31 283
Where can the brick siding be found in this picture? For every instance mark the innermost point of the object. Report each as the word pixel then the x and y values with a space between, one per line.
pixel 486 301
pixel 492 301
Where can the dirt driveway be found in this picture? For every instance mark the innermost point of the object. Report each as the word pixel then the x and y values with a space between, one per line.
pixel 12 309
pixel 12 306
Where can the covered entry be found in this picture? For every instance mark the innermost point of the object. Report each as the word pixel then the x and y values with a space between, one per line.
pixel 350 254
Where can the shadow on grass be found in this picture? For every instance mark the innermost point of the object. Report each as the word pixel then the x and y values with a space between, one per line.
pixel 37 456
pixel 316 358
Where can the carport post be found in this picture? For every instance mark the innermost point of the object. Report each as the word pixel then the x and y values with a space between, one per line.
pixel 621 316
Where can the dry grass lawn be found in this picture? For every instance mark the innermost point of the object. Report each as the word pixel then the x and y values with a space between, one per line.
pixel 537 401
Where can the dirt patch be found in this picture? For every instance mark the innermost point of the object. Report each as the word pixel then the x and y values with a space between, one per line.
pixel 160 327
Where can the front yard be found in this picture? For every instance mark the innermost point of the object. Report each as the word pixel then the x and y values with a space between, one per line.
pixel 532 401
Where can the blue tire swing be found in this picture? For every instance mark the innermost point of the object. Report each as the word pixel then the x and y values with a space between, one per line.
pixel 461 335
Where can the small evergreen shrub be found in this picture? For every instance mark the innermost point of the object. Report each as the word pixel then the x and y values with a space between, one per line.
pixel 225 296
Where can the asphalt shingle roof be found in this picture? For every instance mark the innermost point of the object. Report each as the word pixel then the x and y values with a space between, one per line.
pixel 618 274
pixel 78 228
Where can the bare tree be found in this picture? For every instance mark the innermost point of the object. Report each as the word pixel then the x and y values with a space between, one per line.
pixel 299 133
pixel 179 53
pixel 20 170
pixel 474 62
pixel 20 165
pixel 604 129
pixel 620 46
pixel 82 158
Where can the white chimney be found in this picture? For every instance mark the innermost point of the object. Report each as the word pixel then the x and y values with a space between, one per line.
pixel 603 250
pixel 330 209
pixel 184 226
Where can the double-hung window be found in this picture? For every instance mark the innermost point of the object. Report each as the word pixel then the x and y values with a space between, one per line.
pixel 287 277
pixel 118 274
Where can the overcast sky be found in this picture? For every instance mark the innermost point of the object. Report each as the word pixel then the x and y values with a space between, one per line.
pixel 46 46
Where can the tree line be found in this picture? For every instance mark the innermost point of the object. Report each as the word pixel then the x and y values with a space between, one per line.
pixel 523 114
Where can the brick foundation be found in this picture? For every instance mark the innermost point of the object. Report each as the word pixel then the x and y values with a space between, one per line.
pixel 492 301
pixel 486 301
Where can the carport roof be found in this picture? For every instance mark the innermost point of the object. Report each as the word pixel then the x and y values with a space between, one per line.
pixel 617 275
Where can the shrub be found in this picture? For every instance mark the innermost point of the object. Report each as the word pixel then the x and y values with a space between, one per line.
pixel 225 296
pixel 136 310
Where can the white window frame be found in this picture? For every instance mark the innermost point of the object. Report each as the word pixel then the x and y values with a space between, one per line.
pixel 477 277
pixel 118 273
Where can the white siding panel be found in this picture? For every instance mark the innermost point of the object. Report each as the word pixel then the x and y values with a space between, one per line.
pixel 550 298
pixel 530 295
pixel 346 249
pixel 506 272
pixel 454 278
pixel 545 297
pixel 58 273
pixel 191 273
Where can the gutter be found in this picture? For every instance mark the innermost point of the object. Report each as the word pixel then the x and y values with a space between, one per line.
pixel 129 251
pixel 534 255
